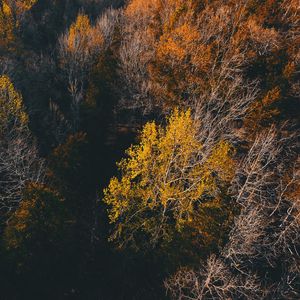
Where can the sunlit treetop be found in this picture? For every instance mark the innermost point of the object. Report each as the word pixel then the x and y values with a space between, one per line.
pixel 12 112
pixel 25 4
pixel 10 14
pixel 19 6
pixel 78 31
pixel 83 36
pixel 7 26
pixel 167 176
pixel 140 7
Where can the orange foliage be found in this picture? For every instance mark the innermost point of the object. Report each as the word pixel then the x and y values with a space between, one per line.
pixel 83 36
pixel 40 214
pixel 140 7
pixel 263 111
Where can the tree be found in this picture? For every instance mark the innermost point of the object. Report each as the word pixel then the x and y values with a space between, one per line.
pixel 38 243
pixel 212 280
pixel 6 25
pixel 79 48
pixel 207 54
pixel 262 112
pixel 136 51
pixel 71 172
pixel 13 115
pixel 265 236
pixel 11 15
pixel 39 217
pixel 19 159
pixel 180 52
pixel 170 181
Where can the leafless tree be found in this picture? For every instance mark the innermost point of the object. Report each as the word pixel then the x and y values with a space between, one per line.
pixel 7 66
pixel 136 51
pixel 265 236
pixel 106 24
pixel 291 14
pixel 213 280
pixel 19 164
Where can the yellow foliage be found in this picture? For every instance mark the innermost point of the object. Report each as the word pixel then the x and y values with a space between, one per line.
pixel 11 105
pixel 6 9
pixel 167 173
pixel 9 20
pixel 7 26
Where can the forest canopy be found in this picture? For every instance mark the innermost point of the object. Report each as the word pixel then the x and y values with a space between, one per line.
pixel 149 149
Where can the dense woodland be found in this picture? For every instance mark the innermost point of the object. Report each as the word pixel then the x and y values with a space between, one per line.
pixel 149 149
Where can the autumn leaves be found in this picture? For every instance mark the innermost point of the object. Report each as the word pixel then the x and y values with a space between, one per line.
pixel 11 14
pixel 168 177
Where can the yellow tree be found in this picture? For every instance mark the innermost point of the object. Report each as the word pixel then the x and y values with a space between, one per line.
pixel 12 111
pixel 19 161
pixel 79 48
pixel 170 182
pixel 7 26
pixel 11 13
